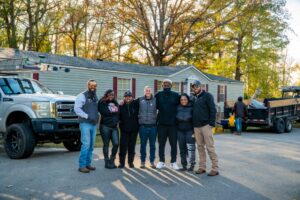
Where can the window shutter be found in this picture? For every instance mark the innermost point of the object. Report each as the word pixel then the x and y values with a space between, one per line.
pixel 36 76
pixel 155 86
pixel 115 86
pixel 206 87
pixel 219 90
pixel 133 87
pixel 225 95
pixel 182 88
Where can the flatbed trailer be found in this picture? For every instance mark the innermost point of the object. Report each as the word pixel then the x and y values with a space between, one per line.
pixel 278 114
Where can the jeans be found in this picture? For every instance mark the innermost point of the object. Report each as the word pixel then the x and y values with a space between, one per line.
pixel 109 134
pixel 238 124
pixel 187 147
pixel 145 134
pixel 165 132
pixel 88 136
pixel 127 143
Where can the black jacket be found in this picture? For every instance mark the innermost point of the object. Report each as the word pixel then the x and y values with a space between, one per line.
pixel 167 103
pixel 109 111
pixel 184 118
pixel 129 116
pixel 204 110
pixel 240 110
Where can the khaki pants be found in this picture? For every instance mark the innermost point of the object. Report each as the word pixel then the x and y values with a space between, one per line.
pixel 204 137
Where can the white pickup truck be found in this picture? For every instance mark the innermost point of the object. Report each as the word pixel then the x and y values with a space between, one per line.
pixel 30 113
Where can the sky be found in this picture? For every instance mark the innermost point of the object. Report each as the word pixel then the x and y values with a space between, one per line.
pixel 293 48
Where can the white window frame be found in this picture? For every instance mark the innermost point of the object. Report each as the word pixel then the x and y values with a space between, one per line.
pixel 120 92
pixel 222 93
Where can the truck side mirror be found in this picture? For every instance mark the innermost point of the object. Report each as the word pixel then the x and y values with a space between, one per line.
pixel 60 92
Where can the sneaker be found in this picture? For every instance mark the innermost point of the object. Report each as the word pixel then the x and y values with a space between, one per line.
pixel 160 165
pixel 174 166
pixel 213 173
pixel 121 166
pixel 191 168
pixel 184 168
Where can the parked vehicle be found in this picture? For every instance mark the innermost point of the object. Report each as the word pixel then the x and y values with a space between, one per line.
pixel 30 113
pixel 276 113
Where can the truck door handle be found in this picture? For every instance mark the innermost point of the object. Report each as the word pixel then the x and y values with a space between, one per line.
pixel 5 99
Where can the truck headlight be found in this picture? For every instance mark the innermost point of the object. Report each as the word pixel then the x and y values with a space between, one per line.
pixel 43 109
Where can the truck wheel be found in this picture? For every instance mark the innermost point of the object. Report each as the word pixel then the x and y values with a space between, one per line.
pixel 279 125
pixel 19 141
pixel 73 145
pixel 288 126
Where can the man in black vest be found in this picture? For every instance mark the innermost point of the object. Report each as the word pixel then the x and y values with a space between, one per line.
pixel 85 107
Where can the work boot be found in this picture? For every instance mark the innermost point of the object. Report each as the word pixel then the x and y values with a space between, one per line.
pixel 131 165
pixel 213 173
pixel 152 165
pixel 107 164
pixel 143 166
pixel 84 170
pixel 91 168
pixel 200 171
pixel 112 163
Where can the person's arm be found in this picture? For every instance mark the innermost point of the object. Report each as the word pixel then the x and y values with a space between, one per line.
pixel 103 109
pixel 212 110
pixel 79 103
pixel 234 108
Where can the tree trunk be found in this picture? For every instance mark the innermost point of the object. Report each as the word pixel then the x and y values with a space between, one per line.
pixel 30 27
pixel 238 73
pixel 74 46
pixel 13 39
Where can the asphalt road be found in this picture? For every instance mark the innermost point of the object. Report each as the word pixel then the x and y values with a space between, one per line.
pixel 253 166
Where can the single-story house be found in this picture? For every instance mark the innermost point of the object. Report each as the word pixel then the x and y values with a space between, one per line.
pixel 70 74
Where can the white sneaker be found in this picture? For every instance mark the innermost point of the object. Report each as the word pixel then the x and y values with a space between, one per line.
pixel 160 165
pixel 174 166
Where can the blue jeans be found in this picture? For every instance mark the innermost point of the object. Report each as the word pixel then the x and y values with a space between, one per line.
pixel 238 124
pixel 145 134
pixel 88 136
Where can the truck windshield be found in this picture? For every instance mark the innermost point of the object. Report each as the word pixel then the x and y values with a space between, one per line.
pixel 11 86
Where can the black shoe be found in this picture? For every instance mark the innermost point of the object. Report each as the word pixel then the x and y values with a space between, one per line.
pixel 112 163
pixel 131 165
pixel 107 164
pixel 183 168
pixel 121 166
pixel 191 168
pixel 143 166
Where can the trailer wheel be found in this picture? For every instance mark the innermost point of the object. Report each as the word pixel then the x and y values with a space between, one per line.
pixel 279 125
pixel 288 126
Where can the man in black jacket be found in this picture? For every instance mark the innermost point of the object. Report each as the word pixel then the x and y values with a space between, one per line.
pixel 167 102
pixel 129 129
pixel 240 110
pixel 204 117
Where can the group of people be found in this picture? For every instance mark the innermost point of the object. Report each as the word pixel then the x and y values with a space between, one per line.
pixel 164 116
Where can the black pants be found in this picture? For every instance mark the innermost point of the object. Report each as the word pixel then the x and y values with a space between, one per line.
pixel 109 134
pixel 127 143
pixel 187 147
pixel 165 132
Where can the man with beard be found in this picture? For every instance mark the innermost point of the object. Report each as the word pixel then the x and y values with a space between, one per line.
pixel 85 107
pixel 204 118
pixel 167 102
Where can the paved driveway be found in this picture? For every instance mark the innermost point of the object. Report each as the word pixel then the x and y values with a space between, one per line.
pixel 253 166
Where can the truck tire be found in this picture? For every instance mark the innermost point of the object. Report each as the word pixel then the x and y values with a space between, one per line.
pixel 279 125
pixel 19 141
pixel 72 145
pixel 288 126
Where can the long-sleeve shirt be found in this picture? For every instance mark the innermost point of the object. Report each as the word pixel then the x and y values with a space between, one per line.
pixel 79 103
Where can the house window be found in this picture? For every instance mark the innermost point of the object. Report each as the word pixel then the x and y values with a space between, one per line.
pixel 221 93
pixel 175 86
pixel 123 86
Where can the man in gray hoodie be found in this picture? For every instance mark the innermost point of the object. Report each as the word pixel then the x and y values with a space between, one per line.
pixel 85 107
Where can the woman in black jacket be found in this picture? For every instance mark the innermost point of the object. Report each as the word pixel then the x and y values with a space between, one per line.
pixel 129 129
pixel 185 132
pixel 109 109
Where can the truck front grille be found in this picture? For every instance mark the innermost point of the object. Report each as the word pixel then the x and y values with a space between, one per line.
pixel 65 110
